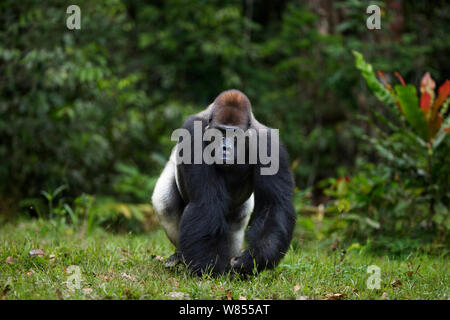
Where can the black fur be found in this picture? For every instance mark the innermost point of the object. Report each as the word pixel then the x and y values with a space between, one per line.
pixel 212 199
pixel 203 237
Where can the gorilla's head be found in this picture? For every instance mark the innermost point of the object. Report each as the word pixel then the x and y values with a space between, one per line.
pixel 231 115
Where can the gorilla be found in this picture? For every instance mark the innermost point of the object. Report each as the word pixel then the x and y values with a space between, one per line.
pixel 205 209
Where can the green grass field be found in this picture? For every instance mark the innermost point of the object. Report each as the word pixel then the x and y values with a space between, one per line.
pixel 130 266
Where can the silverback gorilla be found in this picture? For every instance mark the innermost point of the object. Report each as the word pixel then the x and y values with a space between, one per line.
pixel 205 208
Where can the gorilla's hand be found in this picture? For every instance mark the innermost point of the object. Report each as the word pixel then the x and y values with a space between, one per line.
pixel 242 263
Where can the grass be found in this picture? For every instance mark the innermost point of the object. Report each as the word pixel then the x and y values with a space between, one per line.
pixel 128 266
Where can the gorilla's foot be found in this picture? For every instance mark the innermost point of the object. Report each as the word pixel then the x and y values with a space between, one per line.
pixel 173 260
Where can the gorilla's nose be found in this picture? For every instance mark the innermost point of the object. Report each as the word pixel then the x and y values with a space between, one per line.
pixel 226 151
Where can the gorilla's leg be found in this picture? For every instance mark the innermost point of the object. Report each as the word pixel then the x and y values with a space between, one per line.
pixel 238 222
pixel 168 203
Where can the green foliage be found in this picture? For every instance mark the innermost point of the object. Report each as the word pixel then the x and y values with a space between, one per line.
pixel 374 85
pixel 68 113
pixel 93 109
pixel 405 197
pixel 129 266
pixel 133 183
pixel 409 103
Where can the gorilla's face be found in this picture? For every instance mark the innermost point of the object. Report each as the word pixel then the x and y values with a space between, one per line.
pixel 229 143
pixel 231 117
pixel 233 143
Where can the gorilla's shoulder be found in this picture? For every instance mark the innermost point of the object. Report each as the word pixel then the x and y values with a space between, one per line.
pixel 189 122
pixel 205 114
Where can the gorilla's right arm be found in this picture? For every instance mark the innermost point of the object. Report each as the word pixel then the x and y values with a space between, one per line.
pixel 203 239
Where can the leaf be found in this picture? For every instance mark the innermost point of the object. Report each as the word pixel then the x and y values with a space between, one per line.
pixel 123 208
pixel 375 86
pixel 173 281
pixel 4 292
pixel 87 290
pixel 400 78
pixel 334 245
pixel 442 133
pixel 425 102
pixel 9 260
pixel 354 246
pixel 59 294
pixel 72 215
pixel 104 277
pixel 427 84
pixel 409 103
pixel 372 223
pixel 343 205
pixel 37 253
pixel 384 80
pixel 156 257
pixel 179 295
pixel 128 277
pixel 335 296
pixel 58 190
pixel 436 118
pixel 435 124
pixel 125 252
pixel 47 195
pixel 444 92
pixel 396 283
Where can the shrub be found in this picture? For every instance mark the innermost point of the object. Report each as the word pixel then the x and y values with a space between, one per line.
pixel 403 200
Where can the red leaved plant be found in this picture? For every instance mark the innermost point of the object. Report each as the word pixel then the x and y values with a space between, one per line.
pixel 426 117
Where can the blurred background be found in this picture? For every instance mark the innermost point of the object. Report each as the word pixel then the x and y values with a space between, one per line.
pixel 86 115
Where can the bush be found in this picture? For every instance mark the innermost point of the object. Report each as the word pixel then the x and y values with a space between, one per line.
pixel 403 201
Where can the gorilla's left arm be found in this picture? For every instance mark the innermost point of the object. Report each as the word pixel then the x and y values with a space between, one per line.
pixel 274 218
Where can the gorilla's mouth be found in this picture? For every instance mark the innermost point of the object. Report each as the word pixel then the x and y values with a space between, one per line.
pixel 227 154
